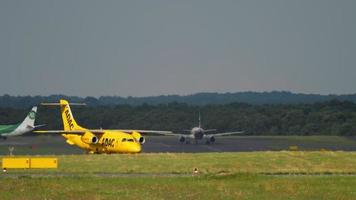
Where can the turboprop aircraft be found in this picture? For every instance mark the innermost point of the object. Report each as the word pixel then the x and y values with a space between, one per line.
pixel 19 129
pixel 98 140
pixel 198 133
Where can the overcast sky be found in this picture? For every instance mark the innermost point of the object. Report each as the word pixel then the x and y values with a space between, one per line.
pixel 160 47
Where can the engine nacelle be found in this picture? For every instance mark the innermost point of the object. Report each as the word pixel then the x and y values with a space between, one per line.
pixel 212 139
pixel 138 137
pixel 182 139
pixel 89 138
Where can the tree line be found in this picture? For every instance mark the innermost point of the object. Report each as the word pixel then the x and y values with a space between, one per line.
pixel 199 99
pixel 327 118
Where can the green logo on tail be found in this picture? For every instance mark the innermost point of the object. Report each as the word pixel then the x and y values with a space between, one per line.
pixel 32 115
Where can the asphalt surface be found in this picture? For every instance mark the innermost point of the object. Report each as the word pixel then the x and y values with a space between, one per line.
pixel 56 145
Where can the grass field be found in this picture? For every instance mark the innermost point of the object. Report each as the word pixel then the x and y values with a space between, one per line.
pixel 251 175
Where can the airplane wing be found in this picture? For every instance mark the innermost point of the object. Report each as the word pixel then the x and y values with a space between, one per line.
pixel 166 133
pixel 101 131
pixel 146 131
pixel 70 132
pixel 169 133
pixel 227 133
pixel 209 130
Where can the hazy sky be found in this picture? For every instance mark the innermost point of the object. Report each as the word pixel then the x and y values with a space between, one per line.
pixel 160 47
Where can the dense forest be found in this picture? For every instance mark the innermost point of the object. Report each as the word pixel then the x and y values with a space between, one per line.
pixel 200 99
pixel 327 118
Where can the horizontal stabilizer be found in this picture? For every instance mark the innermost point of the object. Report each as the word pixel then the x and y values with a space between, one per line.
pixel 38 126
pixel 63 104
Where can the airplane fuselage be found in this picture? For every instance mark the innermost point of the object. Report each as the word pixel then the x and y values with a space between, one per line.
pixel 108 142
pixel 13 130
pixel 197 133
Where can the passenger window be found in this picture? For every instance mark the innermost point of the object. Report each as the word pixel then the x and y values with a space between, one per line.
pixel 123 140
pixel 130 140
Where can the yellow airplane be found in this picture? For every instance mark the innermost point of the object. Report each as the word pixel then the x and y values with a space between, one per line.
pixel 98 140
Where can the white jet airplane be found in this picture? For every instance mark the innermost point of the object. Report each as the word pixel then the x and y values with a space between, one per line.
pixel 198 133
pixel 21 128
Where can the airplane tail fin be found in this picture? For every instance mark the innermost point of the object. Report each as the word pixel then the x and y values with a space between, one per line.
pixel 199 120
pixel 69 122
pixel 29 121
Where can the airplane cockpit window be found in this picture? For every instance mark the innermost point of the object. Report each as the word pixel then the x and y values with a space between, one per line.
pixel 127 140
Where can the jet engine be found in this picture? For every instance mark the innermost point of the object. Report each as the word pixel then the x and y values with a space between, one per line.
pixel 89 138
pixel 138 137
pixel 182 139
pixel 210 140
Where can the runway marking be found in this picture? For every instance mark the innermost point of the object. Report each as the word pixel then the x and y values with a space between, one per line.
pixel 311 174
pixel 163 175
pixel 108 175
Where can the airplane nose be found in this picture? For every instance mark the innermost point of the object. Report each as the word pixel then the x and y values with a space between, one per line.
pixel 137 149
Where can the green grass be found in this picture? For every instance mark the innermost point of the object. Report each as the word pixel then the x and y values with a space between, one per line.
pixel 213 163
pixel 239 186
pixel 305 175
pixel 208 163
